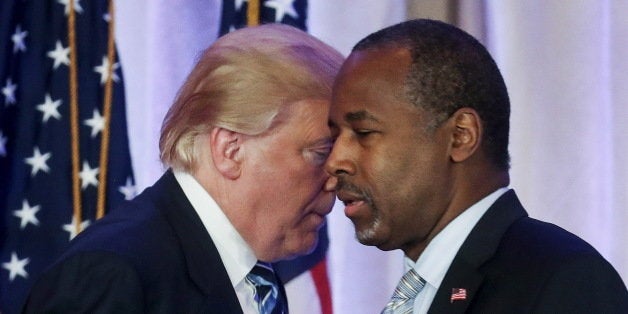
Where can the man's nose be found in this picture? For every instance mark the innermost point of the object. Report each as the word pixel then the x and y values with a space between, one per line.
pixel 340 162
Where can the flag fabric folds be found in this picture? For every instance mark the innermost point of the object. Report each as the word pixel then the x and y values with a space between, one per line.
pixel 37 198
pixel 237 14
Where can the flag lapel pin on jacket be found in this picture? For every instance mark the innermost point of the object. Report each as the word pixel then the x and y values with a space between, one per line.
pixel 458 294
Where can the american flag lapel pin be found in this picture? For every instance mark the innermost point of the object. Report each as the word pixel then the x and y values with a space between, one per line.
pixel 458 294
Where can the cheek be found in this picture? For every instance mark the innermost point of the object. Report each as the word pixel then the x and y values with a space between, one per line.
pixel 392 179
pixel 308 177
pixel 382 170
pixel 303 234
pixel 299 188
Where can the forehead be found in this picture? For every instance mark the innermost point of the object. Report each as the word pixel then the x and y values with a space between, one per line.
pixel 302 111
pixel 388 62
pixel 304 119
pixel 371 83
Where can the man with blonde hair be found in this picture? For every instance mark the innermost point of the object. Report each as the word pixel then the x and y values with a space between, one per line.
pixel 246 142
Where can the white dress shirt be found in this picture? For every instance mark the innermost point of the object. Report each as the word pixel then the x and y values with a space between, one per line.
pixel 236 254
pixel 434 262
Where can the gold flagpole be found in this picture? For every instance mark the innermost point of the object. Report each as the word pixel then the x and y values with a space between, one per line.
pixel 104 140
pixel 252 13
pixel 77 214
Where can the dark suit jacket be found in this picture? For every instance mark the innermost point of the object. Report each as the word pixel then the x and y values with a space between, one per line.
pixel 511 263
pixel 152 255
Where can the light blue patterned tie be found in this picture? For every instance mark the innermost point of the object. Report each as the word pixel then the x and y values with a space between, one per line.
pixel 408 288
pixel 267 296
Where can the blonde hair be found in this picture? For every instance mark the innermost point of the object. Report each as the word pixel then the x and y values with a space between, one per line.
pixel 241 82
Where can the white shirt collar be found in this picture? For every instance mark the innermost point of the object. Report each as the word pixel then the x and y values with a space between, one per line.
pixel 434 262
pixel 237 256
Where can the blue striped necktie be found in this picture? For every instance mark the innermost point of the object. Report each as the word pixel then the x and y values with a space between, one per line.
pixel 268 298
pixel 408 288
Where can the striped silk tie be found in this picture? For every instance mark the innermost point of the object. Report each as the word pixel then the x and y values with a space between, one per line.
pixel 402 300
pixel 268 298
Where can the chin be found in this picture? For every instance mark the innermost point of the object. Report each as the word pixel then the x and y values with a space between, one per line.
pixel 365 229
pixel 307 244
pixel 370 235
pixel 366 240
pixel 376 242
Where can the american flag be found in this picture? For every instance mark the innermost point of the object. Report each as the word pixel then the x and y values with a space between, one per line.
pixel 291 12
pixel 458 294
pixel 36 194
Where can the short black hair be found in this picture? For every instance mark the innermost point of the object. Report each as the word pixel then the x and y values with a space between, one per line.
pixel 450 70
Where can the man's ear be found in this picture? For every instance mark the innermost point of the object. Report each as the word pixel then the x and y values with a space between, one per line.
pixel 225 150
pixel 467 134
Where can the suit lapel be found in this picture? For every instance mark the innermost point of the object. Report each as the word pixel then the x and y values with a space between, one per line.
pixel 463 274
pixel 202 258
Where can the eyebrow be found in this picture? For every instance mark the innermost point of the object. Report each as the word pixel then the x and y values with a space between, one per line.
pixel 359 116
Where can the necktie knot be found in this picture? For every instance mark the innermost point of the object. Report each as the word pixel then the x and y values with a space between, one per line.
pixel 267 296
pixel 408 288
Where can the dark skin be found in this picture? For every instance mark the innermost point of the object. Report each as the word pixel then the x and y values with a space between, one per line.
pixel 401 182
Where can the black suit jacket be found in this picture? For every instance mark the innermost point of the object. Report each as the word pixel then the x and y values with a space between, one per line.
pixel 511 263
pixel 152 255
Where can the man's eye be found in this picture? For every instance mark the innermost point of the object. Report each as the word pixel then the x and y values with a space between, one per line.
pixel 363 132
pixel 322 154
pixel 319 157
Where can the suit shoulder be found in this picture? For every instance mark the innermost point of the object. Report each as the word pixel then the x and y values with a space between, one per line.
pixel 137 231
pixel 541 268
pixel 540 239
pixel 534 249
pixel 69 286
